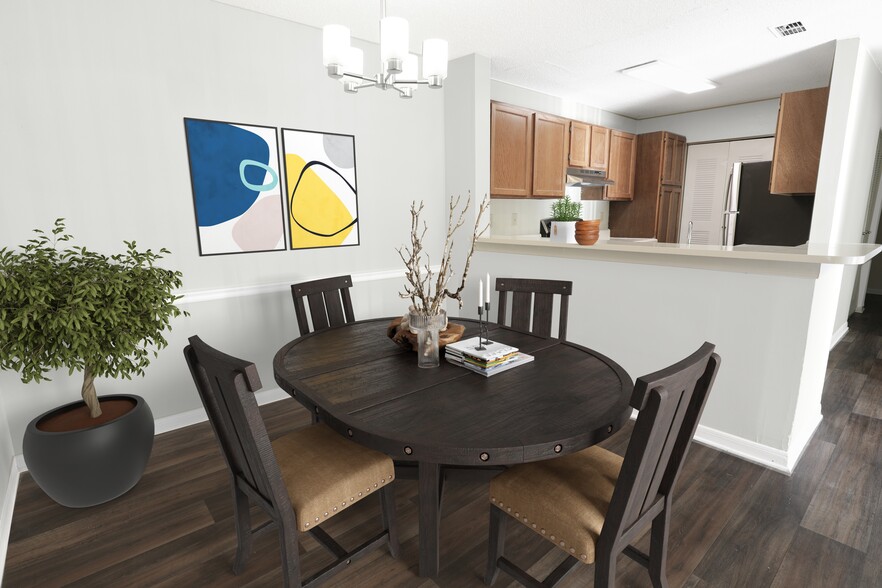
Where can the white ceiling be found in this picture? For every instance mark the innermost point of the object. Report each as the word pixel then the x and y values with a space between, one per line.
pixel 575 48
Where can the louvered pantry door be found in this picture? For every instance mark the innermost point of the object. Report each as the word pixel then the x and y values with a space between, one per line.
pixel 708 166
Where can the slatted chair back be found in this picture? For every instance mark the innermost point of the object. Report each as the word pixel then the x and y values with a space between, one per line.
pixel 328 301
pixel 226 386
pixel 670 402
pixel 532 304
pixel 573 494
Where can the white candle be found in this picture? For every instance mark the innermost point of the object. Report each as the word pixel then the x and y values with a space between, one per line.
pixel 481 294
pixel 488 287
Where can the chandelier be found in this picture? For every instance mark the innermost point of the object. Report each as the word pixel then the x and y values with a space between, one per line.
pixel 399 67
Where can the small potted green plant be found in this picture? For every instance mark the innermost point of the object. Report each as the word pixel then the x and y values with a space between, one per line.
pixel 564 214
pixel 68 307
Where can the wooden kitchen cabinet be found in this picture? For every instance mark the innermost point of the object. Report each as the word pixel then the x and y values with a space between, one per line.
pixel 511 151
pixel 589 146
pixel 599 148
pixel 550 142
pixel 674 159
pixel 655 208
pixel 798 138
pixel 622 165
pixel 668 222
pixel 580 144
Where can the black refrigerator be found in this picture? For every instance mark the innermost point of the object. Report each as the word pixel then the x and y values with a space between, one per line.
pixel 756 217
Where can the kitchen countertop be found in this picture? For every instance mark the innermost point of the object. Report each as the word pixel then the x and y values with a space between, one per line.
pixel 802 260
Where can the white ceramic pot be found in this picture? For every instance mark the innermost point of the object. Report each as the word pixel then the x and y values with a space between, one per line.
pixel 563 231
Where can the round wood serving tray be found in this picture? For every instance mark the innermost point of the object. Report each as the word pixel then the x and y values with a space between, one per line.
pixel 408 340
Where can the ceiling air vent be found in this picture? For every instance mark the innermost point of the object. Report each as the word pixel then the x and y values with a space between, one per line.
pixel 788 29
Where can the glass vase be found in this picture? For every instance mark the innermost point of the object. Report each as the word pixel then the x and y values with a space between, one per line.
pixel 427 328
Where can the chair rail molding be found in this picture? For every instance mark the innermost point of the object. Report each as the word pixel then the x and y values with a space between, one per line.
pixel 196 296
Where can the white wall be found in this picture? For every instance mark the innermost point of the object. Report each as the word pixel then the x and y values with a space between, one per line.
pixel 646 317
pixel 467 152
pixel 851 132
pixel 93 103
pixel 518 96
pixel 753 119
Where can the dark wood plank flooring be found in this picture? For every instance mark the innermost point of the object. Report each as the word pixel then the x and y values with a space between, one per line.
pixel 734 523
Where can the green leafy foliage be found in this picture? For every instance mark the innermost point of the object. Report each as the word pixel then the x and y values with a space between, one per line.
pixel 74 308
pixel 566 210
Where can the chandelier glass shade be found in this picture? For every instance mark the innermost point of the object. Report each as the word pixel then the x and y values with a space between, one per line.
pixel 399 67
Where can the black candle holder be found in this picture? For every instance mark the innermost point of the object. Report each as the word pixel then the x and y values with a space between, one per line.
pixel 483 331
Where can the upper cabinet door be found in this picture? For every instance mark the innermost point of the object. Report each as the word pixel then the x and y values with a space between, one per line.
pixel 550 142
pixel 511 150
pixel 580 144
pixel 673 159
pixel 599 148
pixel 622 165
pixel 801 117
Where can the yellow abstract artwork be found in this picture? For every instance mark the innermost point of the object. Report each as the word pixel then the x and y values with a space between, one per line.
pixel 322 203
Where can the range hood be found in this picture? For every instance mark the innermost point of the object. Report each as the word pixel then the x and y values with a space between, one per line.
pixel 577 176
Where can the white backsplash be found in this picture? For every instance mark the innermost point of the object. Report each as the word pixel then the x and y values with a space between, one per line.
pixel 511 216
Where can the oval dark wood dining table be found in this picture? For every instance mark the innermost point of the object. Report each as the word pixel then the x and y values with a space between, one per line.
pixel 367 388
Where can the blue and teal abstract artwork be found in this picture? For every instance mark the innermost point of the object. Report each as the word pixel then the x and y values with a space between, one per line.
pixel 237 195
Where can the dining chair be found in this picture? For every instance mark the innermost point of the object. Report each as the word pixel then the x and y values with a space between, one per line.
pixel 533 299
pixel 328 301
pixel 591 504
pixel 300 480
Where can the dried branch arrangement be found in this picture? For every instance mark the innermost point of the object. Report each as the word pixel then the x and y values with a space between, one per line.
pixel 426 289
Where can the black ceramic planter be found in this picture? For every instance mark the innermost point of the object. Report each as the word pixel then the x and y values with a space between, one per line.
pixel 94 465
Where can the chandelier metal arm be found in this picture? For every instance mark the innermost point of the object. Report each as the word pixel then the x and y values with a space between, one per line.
pixel 345 62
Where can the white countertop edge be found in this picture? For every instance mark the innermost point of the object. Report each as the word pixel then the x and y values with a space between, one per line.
pixel 816 253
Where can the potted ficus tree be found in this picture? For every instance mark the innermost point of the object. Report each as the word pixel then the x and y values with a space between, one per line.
pixel 564 214
pixel 69 307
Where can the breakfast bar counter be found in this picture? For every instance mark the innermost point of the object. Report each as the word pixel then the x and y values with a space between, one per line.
pixel 773 313
pixel 802 260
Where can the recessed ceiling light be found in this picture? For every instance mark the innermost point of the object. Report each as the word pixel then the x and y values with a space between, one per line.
pixel 670 76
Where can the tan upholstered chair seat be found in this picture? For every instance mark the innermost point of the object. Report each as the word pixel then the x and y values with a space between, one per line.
pixel 564 500
pixel 326 473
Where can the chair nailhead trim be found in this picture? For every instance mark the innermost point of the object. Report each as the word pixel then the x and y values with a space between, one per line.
pixel 572 550
pixel 584 557
pixel 307 524
pixel 551 537
pixel 542 531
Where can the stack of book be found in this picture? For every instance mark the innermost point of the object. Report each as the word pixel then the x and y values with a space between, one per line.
pixel 486 359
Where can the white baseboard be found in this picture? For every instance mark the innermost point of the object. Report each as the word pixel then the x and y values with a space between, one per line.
pixel 6 514
pixel 774 459
pixel 195 416
pixel 838 335
pixel 185 419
